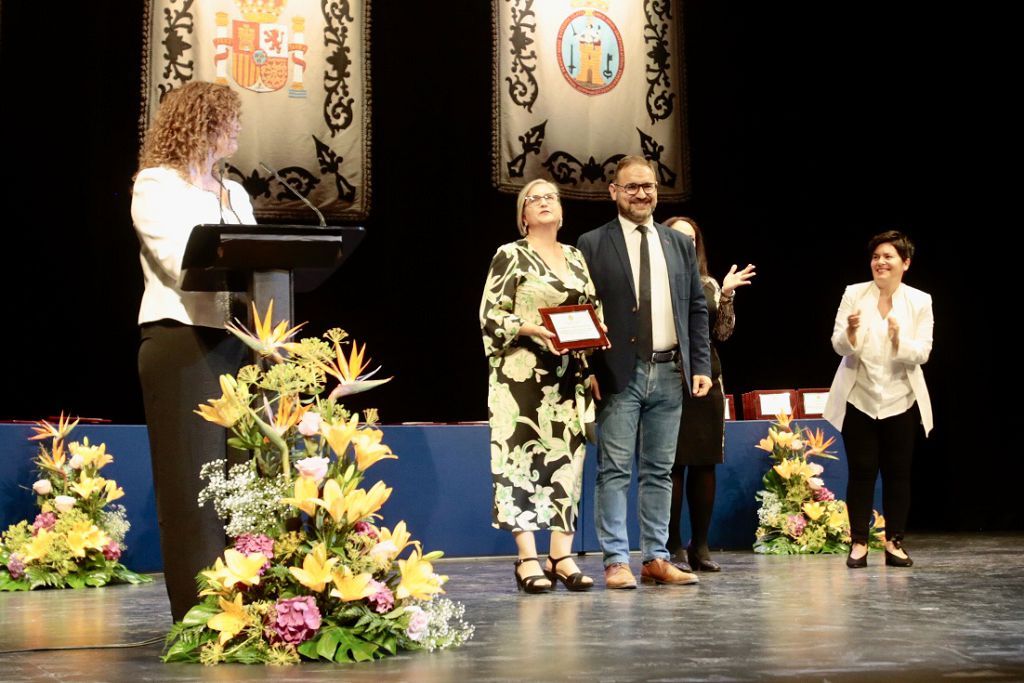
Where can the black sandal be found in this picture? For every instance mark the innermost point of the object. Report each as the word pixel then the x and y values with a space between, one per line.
pixel 574 582
pixel 529 584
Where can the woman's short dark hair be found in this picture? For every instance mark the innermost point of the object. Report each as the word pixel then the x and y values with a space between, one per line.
pixel 900 242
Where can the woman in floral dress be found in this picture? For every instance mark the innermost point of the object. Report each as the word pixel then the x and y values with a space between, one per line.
pixel 539 400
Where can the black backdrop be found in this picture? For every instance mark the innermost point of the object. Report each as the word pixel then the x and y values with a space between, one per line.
pixel 812 127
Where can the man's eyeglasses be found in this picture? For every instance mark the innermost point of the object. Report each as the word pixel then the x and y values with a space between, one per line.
pixel 632 188
pixel 550 198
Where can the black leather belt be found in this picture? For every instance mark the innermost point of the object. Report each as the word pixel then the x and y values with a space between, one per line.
pixel 664 356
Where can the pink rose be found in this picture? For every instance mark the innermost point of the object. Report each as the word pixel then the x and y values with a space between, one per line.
pixel 815 483
pixel 63 503
pixel 43 487
pixel 309 425
pixel 418 623
pixel 314 468
pixel 76 462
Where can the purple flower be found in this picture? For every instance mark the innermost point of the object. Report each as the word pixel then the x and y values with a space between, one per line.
pixel 44 520
pixel 823 495
pixel 112 551
pixel 247 544
pixel 15 566
pixel 297 620
pixel 795 525
pixel 418 623
pixel 382 599
pixel 365 528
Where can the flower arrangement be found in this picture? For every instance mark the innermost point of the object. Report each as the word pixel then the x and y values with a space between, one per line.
pixel 798 513
pixel 77 538
pixel 311 573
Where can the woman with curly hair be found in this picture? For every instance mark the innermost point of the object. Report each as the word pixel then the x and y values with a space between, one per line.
pixel 185 347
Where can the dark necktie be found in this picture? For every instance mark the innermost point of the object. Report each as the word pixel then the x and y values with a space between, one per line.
pixel 645 335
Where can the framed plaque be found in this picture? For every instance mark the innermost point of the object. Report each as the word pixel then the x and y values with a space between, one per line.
pixel 811 402
pixel 766 404
pixel 575 327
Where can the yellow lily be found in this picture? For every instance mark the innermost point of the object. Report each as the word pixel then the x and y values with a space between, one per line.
pixel 814 510
pixel 267 338
pixel 231 620
pixel 418 578
pixel 113 491
pixel 360 504
pixel 792 467
pixel 816 443
pixel 783 439
pixel 227 410
pixel 86 485
pixel 369 449
pixel 234 569
pixel 38 546
pixel 307 494
pixel 84 536
pixel 55 459
pixel 45 430
pixel 390 544
pixel 333 500
pixel 348 371
pixel 95 456
pixel 316 569
pixel 766 444
pixel 349 587
pixel 340 435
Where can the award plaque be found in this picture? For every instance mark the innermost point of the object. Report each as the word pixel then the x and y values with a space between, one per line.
pixel 575 327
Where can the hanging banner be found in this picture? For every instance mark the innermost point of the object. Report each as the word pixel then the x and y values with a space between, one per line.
pixel 580 83
pixel 301 68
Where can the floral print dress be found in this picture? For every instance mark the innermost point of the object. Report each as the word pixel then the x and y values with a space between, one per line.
pixel 537 401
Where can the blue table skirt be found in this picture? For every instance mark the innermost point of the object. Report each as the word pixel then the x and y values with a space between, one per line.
pixel 442 486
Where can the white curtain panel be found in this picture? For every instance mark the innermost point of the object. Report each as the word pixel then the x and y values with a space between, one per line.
pixel 301 68
pixel 579 83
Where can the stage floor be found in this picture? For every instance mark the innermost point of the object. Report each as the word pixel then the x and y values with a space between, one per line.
pixel 958 614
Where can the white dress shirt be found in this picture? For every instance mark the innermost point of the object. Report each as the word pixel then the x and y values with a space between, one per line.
pixel 882 388
pixel 165 208
pixel 662 320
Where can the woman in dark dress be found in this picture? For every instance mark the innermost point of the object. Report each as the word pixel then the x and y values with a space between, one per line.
pixel 538 400
pixel 702 426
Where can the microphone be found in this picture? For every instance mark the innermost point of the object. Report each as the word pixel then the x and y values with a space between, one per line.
pixel 323 223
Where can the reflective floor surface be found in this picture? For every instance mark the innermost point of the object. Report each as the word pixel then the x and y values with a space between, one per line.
pixel 957 615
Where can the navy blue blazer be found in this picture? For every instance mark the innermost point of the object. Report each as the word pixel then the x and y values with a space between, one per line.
pixel 608 261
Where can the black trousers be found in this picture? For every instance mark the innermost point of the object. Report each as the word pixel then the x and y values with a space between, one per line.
pixel 874 446
pixel 179 367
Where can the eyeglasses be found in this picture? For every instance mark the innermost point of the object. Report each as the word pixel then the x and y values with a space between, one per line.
pixel 632 188
pixel 550 198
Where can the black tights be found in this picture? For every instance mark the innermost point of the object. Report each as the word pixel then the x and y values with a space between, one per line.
pixel 700 495
pixel 874 446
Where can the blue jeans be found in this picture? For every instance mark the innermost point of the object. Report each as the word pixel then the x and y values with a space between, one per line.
pixel 644 419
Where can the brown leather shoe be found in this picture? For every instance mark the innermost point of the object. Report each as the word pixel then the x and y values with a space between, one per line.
pixel 663 571
pixel 619 575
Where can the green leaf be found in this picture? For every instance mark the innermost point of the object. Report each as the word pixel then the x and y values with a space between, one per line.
pixel 329 643
pixel 308 648
pixel 200 614
pixel 75 581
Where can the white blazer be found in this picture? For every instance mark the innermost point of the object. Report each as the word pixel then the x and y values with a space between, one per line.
pixel 913 311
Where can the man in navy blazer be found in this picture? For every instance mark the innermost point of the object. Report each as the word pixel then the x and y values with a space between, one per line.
pixel 649 285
